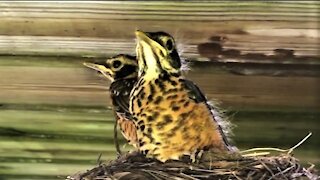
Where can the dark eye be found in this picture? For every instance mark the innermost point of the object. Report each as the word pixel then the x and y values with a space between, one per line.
pixel 169 44
pixel 116 63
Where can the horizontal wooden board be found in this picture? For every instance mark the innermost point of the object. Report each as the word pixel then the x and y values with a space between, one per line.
pixel 81 86
pixel 106 28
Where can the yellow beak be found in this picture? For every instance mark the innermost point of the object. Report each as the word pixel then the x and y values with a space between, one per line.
pixel 144 37
pixel 104 70
pixel 96 67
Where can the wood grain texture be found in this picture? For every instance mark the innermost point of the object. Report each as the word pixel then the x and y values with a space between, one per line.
pixel 106 28
pixel 81 86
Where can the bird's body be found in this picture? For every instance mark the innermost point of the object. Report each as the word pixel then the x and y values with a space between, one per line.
pixel 119 92
pixel 170 123
pixel 121 70
pixel 171 113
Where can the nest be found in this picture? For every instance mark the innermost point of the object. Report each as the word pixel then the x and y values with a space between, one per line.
pixel 256 163
pixel 209 166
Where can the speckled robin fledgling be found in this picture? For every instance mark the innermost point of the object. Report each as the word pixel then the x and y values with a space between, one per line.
pixel 122 71
pixel 171 113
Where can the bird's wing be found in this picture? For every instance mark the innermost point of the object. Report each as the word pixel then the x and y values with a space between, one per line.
pixel 194 91
pixel 128 129
pixel 120 92
pixel 196 95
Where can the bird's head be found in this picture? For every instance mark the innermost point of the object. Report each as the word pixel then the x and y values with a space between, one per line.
pixel 117 67
pixel 157 53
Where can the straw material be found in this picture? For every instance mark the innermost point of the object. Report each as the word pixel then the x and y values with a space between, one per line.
pixel 209 166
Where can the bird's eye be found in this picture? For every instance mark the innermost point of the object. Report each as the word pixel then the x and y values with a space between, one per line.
pixel 169 44
pixel 116 64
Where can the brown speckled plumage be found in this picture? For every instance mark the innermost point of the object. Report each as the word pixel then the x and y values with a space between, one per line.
pixel 122 71
pixel 174 119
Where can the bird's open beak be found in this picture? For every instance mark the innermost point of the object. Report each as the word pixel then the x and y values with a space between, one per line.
pixel 94 66
pixel 142 36
pixel 101 68
pixel 145 37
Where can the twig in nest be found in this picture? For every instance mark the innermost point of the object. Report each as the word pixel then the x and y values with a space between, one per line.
pixel 115 137
pixel 302 141
pixel 99 162
pixel 246 153
pixel 267 168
